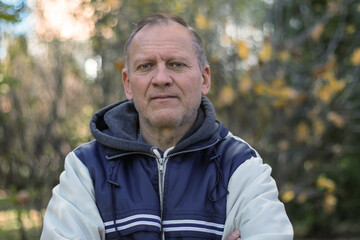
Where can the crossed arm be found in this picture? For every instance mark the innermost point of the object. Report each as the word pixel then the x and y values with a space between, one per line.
pixel 234 236
pixel 252 202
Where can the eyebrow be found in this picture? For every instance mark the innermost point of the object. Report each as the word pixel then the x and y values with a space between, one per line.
pixel 168 59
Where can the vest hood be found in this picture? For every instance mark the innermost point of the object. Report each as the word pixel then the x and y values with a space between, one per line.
pixel 117 127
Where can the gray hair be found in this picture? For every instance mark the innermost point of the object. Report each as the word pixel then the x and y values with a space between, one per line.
pixel 157 18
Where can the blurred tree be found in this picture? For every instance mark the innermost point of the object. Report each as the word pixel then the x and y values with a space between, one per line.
pixel 285 77
pixel 298 104
pixel 10 13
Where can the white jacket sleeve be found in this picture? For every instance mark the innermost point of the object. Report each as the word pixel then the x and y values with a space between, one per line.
pixel 253 206
pixel 72 212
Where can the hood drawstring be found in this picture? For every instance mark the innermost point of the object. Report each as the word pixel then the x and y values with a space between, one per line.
pixel 113 184
pixel 219 179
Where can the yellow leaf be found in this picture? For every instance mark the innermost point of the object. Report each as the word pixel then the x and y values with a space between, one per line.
pixel 323 94
pixel 227 96
pixel 324 182
pixel 318 128
pixel 302 132
pixel 284 56
pixel 260 89
pixel 266 52
pixel 302 198
pixel 336 119
pixel 329 203
pixel 226 39
pixel 119 65
pixel 317 31
pixel 243 50
pixel 287 196
pixel 114 4
pixel 278 82
pixel 355 58
pixel 350 29
pixel 327 90
pixel 245 84
pixel 202 22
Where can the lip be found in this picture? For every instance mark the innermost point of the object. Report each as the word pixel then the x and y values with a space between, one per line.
pixel 162 97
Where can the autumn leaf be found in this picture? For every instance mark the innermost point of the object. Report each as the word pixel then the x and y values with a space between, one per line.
pixel 336 119
pixel 355 57
pixel 202 22
pixel 227 96
pixel 329 88
pixel 350 29
pixel 317 31
pixel 266 52
pixel 326 183
pixel 302 132
pixel 245 84
pixel 278 82
pixel 242 50
pixel 260 89
pixel 302 198
pixel 114 4
pixel 288 196
pixel 318 128
pixel 284 56
pixel 119 65
pixel 226 39
pixel 329 203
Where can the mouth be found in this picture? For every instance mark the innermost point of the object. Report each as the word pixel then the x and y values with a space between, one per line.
pixel 163 97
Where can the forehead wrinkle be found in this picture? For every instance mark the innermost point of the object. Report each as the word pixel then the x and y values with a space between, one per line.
pixel 154 49
pixel 153 35
pixel 164 40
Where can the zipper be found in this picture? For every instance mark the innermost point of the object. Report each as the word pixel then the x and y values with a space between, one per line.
pixel 161 162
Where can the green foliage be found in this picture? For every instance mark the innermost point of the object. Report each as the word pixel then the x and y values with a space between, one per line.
pixel 10 13
pixel 285 77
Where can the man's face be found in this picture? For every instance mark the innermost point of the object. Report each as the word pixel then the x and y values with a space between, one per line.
pixel 164 79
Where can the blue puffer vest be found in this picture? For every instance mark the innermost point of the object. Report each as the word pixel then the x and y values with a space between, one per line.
pixel 194 193
pixel 142 193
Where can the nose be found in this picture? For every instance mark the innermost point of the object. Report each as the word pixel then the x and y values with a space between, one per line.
pixel 162 76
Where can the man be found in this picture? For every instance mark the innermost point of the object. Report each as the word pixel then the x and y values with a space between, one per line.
pixel 161 166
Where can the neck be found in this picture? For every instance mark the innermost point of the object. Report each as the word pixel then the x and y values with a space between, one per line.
pixel 163 138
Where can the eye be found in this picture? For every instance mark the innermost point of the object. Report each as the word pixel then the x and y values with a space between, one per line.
pixel 177 65
pixel 144 66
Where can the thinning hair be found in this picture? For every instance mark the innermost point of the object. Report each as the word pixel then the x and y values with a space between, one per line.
pixel 157 18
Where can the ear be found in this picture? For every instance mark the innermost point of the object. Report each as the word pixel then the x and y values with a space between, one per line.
pixel 127 85
pixel 206 84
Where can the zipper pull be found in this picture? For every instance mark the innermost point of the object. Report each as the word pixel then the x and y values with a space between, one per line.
pixel 161 165
pixel 159 158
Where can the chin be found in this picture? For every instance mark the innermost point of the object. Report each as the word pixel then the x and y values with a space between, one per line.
pixel 166 122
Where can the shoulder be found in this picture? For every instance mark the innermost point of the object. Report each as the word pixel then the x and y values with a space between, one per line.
pixel 92 155
pixel 88 151
pixel 235 150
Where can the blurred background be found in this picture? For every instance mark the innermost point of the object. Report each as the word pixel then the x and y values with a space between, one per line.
pixel 285 77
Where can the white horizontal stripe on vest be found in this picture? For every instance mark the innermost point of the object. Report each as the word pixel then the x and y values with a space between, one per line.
pixel 188 221
pixel 132 218
pixel 130 225
pixel 187 225
pixel 140 219
pixel 195 229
